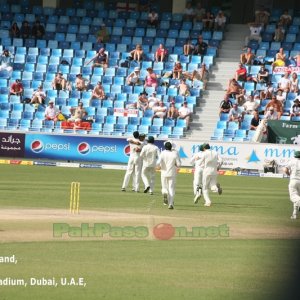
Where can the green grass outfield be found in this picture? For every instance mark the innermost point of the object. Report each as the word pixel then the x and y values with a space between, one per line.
pixel 258 260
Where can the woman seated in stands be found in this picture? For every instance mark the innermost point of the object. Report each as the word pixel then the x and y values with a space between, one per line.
pixel 294 83
pixel 6 61
pixel 208 21
pixel 14 31
pixel 161 53
pixel 177 70
pixel 151 79
pixel 279 59
pixel 172 111
pixel 188 47
pixel 295 109
pixel 233 88
pixel 220 21
pixel 143 102
pixel 279 33
pixel 184 89
pixel 137 53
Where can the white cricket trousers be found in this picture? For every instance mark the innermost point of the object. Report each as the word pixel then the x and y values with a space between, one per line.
pixel 294 191
pixel 168 187
pixel 134 165
pixel 209 182
pixel 148 177
pixel 198 175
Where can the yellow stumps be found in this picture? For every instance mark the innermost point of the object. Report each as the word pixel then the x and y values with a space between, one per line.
pixel 74 197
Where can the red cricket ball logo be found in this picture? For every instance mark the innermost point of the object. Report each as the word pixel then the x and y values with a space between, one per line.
pixel 163 231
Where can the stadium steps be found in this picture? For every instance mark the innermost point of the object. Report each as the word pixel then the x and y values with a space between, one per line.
pixel 207 114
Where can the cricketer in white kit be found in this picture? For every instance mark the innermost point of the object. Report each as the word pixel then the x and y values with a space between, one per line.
pixel 293 169
pixel 212 162
pixel 149 155
pixel 169 161
pixel 134 163
pixel 198 174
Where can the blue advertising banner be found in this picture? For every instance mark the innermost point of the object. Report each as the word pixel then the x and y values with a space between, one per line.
pixel 78 148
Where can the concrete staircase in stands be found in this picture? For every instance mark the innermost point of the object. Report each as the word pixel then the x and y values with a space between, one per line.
pixel 207 113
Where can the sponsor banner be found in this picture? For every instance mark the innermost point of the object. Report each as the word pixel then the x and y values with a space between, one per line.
pixel 78 148
pixel 272 175
pixel 12 144
pixel 126 112
pixel 90 166
pixel 250 156
pixel 282 70
pixel 45 163
pixel 283 132
pixel 185 171
pixel 67 165
pixel 16 162
pixel 248 173
pixel 4 162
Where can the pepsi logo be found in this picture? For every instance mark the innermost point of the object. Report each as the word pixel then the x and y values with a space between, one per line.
pixel 83 148
pixel 127 150
pixel 37 146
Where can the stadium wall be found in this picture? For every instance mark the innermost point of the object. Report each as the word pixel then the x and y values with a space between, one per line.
pixel 115 150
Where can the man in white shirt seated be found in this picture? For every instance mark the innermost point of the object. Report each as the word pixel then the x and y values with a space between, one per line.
pixel 185 113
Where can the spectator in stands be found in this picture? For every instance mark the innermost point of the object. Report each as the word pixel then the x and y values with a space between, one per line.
pixel 137 53
pixel 98 92
pixel 250 105
pixel 102 34
pixel 267 92
pixel 284 83
pixel 220 21
pixel 38 96
pixel 254 121
pixel 188 47
pixel 279 33
pixel 153 100
pixel 6 61
pixel 233 88
pixel 59 82
pixel 80 83
pixel 262 16
pixel 172 112
pixel 177 70
pixel 280 58
pixel 199 12
pixel 185 113
pixel 276 105
pixel 153 18
pixel 225 105
pixel 133 77
pixel 161 53
pixel 271 114
pixel 14 31
pixel 16 88
pixel 200 47
pixel 100 59
pixel 78 114
pixel 280 97
pixel 38 30
pixel 241 73
pixel 51 111
pixel 208 21
pixel 294 83
pixel 247 58
pixel 160 111
pixel 201 74
pixel 151 79
pixel 285 19
pixel 297 59
pixel 241 98
pixel 255 31
pixel 295 109
pixel 188 13
pixel 142 102
pixel 25 30
pixel 262 75
pixel 236 114
pixel 184 89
